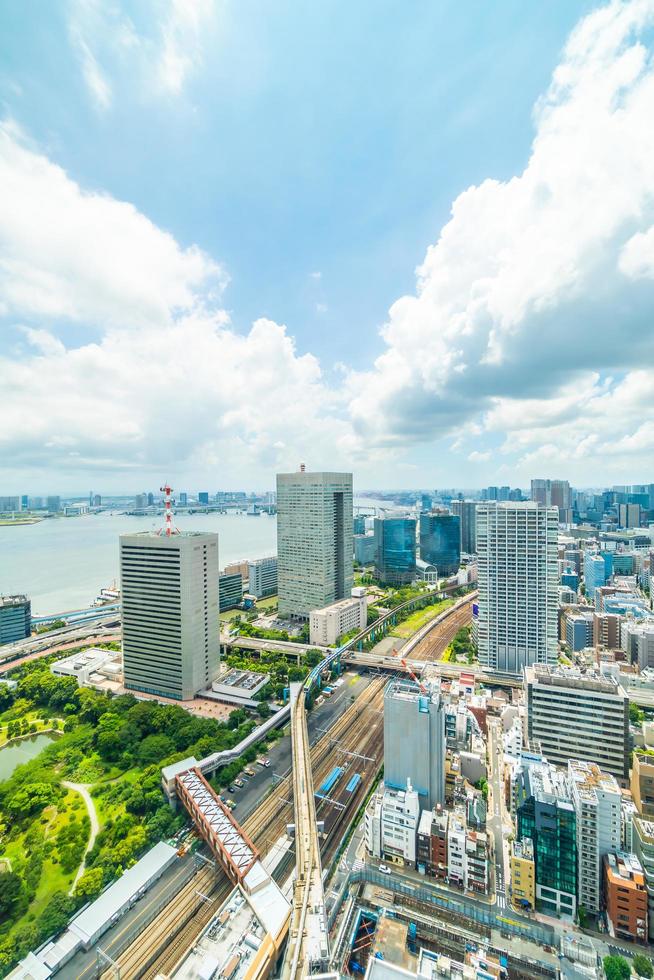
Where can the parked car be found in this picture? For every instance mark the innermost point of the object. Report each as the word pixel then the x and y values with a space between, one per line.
pixel 249 771
pixel 239 783
pixel 384 868
pixel 231 789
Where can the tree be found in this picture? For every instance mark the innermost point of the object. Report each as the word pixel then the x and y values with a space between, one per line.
pixel 616 968
pixel 636 714
pixel 643 965
pixel 264 710
pixel 154 748
pixel 11 890
pixel 30 799
pixel 90 884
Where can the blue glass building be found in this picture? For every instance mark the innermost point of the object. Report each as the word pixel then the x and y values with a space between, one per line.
pixel 595 572
pixel 395 547
pixel 440 541
pixel 15 618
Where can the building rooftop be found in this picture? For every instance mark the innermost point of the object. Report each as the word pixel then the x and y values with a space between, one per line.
pixel 589 779
pixel 405 690
pixel 12 600
pixel 646 827
pixel 103 910
pixel 524 849
pixel 340 604
pixel 624 866
pixel 572 677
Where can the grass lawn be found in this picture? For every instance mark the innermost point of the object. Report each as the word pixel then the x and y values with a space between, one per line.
pixel 420 618
pixel 267 603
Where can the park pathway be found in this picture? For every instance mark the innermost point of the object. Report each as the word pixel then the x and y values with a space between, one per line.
pixel 83 790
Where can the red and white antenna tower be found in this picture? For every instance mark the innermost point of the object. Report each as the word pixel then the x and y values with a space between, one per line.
pixel 168 528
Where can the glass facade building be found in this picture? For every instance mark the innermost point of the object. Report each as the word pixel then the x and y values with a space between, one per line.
pixel 395 549
pixel 551 823
pixel 440 541
pixel 15 618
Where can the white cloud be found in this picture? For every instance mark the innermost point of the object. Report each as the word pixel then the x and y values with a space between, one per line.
pixel 157 61
pixel 181 48
pixel 87 257
pixel 477 457
pixel 163 379
pixel 537 298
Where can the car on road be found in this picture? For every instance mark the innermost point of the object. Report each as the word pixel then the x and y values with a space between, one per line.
pixel 384 868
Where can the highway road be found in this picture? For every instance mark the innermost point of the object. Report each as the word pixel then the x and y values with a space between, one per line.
pixel 494 820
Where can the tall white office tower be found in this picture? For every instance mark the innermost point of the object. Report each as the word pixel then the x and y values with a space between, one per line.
pixel 314 541
pixel 518 582
pixel 169 599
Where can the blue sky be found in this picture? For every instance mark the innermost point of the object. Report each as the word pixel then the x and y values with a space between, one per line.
pixel 295 162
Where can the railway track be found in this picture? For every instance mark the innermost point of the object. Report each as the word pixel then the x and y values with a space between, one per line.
pixel 436 642
pixel 177 928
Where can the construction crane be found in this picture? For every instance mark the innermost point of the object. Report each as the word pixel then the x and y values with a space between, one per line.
pixel 411 673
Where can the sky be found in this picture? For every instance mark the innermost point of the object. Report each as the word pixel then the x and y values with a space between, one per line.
pixel 414 241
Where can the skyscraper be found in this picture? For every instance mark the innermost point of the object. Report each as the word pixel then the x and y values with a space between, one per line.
pixel 440 541
pixel 314 541
pixel 518 583
pixel 395 549
pixel 169 598
pixel 554 493
pixel 414 740
pixel 466 511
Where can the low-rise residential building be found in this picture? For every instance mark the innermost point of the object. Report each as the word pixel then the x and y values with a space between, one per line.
pixel 573 714
pixel 262 577
pixel 626 896
pixel 596 797
pixel 523 873
pixel 456 850
pixel 327 625
pixel 431 846
pixel 642 783
pixel 391 825
pixel 637 640
pixel 476 872
pixel 643 841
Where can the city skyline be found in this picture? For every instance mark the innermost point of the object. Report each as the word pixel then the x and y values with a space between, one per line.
pixel 231 319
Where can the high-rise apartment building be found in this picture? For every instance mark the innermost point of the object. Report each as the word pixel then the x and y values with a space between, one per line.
pixel 575 715
pixel 440 541
pixel 414 740
pixel 53 504
pixel 169 599
pixel 597 802
pixel 395 549
pixel 15 618
pixel 314 541
pixel 466 511
pixel 9 504
pixel 262 577
pixel 203 497
pixel 518 585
